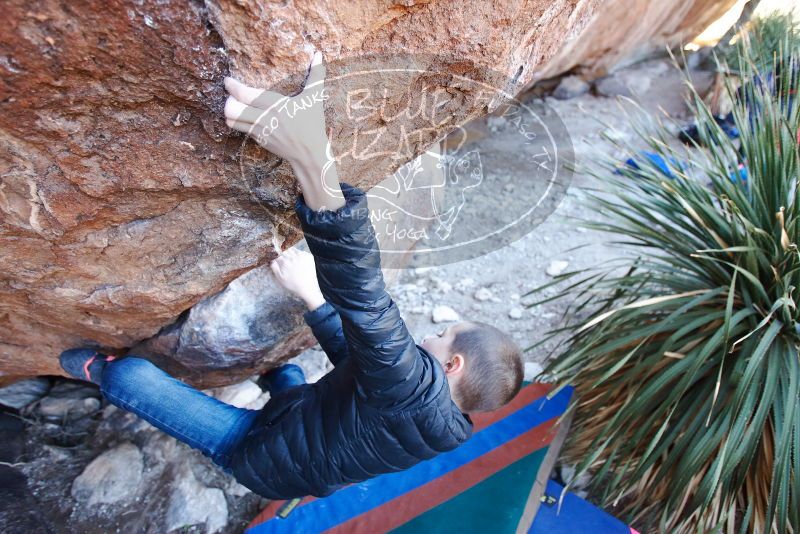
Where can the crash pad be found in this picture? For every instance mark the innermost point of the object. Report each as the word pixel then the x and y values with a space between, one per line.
pixel 573 514
pixel 494 482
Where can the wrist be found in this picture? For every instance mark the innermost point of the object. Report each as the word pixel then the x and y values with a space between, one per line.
pixel 319 181
pixel 313 300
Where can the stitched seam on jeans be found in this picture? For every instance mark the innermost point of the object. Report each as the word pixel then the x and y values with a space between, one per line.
pixel 230 444
pixel 188 440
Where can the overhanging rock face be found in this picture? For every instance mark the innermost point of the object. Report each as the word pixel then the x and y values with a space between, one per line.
pixel 124 198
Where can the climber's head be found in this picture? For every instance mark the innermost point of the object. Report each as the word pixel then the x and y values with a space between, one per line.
pixel 483 365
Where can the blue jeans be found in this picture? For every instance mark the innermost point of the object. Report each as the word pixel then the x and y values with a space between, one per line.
pixel 183 412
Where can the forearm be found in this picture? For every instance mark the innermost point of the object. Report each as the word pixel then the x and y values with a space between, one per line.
pixel 348 267
pixel 345 238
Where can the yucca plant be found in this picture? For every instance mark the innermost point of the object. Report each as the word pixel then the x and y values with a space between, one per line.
pixel 684 352
pixel 763 39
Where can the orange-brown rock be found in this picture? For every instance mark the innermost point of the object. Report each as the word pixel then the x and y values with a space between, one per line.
pixel 124 198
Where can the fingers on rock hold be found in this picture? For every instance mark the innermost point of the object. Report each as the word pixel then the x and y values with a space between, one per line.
pixel 236 110
pixel 244 127
pixel 251 96
pixel 241 92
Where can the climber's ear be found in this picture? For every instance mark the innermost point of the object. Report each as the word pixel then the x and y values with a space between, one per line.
pixel 316 74
pixel 455 364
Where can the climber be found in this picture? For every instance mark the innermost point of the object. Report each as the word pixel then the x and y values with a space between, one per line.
pixel 386 405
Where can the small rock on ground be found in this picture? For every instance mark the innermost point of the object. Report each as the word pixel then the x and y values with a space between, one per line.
pixel 483 294
pixel 465 283
pixel 24 392
pixel 112 477
pixel 440 285
pixel 515 313
pixel 570 87
pixel 192 503
pixel 58 408
pixel 556 267
pixel 628 85
pixel 444 314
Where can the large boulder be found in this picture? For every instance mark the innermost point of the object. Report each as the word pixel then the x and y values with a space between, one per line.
pixel 125 199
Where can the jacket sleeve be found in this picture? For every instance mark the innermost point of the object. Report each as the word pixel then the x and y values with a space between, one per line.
pixel 326 325
pixel 390 372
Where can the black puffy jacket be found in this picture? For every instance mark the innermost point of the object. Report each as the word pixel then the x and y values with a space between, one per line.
pixel 384 407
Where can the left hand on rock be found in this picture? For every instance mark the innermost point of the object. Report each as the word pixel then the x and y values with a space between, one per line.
pixel 291 127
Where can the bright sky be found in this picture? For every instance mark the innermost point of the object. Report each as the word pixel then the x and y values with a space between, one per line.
pixel 713 33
